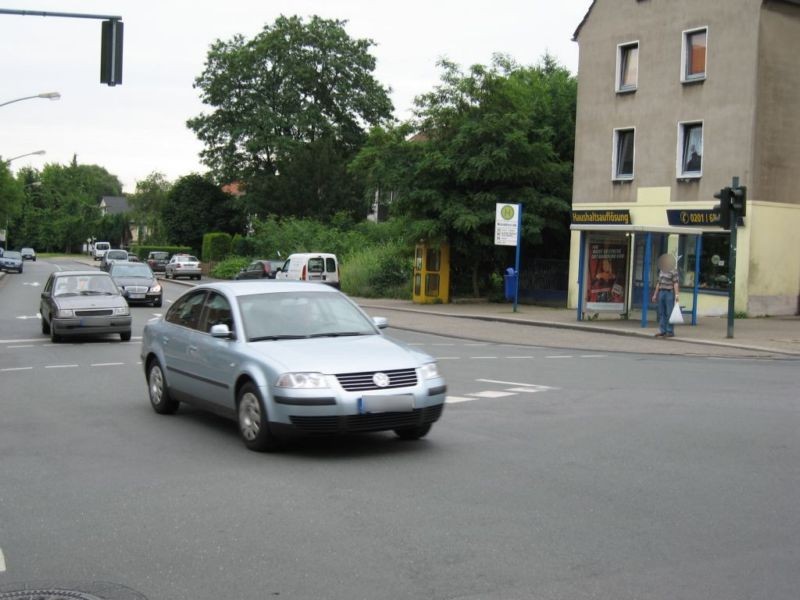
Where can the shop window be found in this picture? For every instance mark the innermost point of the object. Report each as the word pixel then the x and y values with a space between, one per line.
pixel 695 50
pixel 713 275
pixel 624 150
pixel 690 150
pixel 627 67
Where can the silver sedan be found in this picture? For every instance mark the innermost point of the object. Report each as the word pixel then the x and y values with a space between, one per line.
pixel 283 357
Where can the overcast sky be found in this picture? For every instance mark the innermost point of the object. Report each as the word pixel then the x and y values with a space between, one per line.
pixel 140 126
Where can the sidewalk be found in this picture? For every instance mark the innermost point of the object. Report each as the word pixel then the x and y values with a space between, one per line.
pixel 774 335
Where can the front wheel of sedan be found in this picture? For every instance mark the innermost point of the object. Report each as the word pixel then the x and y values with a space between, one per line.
pixel 158 303
pixel 413 433
pixel 54 337
pixel 45 326
pixel 253 420
pixel 125 336
pixel 160 399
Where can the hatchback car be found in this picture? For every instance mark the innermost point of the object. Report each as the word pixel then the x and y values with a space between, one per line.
pixel 137 283
pixel 286 356
pixel 82 303
pixel 260 269
pixel 28 254
pixel 11 261
pixel 112 256
pixel 157 261
pixel 183 265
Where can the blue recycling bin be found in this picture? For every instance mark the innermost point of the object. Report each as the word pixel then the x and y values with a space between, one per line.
pixel 511 281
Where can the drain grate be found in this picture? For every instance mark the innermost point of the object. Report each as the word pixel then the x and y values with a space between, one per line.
pixel 47 595
pixel 63 590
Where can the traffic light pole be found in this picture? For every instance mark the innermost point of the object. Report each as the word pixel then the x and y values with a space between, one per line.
pixel 732 264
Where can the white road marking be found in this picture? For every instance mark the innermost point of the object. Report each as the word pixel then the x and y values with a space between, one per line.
pixel 477 344
pixel 593 355
pixel 111 364
pixel 457 399
pixel 2 561
pixel 22 346
pixel 519 357
pixel 21 341
pixel 529 389
pixel 60 366
pixel 32 283
pixel 9 369
pixel 416 344
pixel 514 383
pixel 448 358
pixel 483 357
pixel 491 394
pixel 559 356
pixel 442 344
pixel 156 314
pixel 26 317
pixel 170 301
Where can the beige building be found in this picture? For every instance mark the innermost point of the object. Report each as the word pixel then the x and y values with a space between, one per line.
pixel 675 97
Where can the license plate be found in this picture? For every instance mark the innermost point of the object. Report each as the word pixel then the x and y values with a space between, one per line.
pixel 136 296
pixel 379 404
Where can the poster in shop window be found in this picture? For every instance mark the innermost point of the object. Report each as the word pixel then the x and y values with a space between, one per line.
pixel 606 276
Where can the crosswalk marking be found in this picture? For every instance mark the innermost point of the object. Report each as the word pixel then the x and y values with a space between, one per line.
pixel 491 394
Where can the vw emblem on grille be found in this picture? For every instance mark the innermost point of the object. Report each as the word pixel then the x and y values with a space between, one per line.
pixel 381 380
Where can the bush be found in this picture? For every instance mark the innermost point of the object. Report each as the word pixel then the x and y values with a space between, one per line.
pixel 143 251
pixel 216 246
pixel 383 271
pixel 242 246
pixel 230 267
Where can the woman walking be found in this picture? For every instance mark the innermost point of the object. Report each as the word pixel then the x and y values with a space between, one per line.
pixel 666 294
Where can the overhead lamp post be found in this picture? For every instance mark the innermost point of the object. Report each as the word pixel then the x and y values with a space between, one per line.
pixel 43 95
pixel 36 153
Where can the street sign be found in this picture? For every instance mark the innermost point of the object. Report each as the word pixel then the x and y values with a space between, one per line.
pixel 506 225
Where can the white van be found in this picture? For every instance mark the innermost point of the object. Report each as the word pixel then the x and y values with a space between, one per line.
pixel 315 266
pixel 100 249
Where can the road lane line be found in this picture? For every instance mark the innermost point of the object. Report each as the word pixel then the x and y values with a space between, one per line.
pixel 515 383
pixel 559 356
pixel 61 366
pixel 593 355
pixel 22 346
pixel 442 344
pixel 457 399
pixel 491 394
pixel 483 357
pixel 21 341
pixel 9 369
pixel 519 357
pixel 448 358
pixel 2 561
pixel 111 364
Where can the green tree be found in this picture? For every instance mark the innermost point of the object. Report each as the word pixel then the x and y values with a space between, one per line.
pixel 11 196
pixel 148 205
pixel 497 133
pixel 289 110
pixel 196 205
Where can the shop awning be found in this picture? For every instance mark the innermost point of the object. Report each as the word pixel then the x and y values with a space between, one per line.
pixel 668 229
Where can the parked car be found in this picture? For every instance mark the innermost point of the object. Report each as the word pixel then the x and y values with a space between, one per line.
pixel 287 356
pixel 133 258
pixel 82 303
pixel 100 249
pixel 136 282
pixel 112 256
pixel 28 254
pixel 157 261
pixel 11 261
pixel 183 265
pixel 311 267
pixel 260 269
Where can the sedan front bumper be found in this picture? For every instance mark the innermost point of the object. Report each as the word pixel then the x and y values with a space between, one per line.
pixel 91 325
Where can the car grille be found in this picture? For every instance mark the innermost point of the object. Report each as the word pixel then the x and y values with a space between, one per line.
pixel 361 382
pixel 106 312
pixel 136 289
pixel 368 422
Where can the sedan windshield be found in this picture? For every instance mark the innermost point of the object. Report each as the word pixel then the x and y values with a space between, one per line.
pixel 116 254
pixel 131 270
pixel 12 254
pixel 301 315
pixel 84 285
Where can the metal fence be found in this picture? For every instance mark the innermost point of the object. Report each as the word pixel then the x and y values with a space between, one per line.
pixel 544 281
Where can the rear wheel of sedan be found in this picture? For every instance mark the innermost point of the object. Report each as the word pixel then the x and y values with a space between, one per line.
pixel 54 337
pixel 45 326
pixel 125 336
pixel 413 433
pixel 253 420
pixel 160 399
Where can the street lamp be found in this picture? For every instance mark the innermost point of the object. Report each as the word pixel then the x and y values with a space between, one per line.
pixel 36 153
pixel 44 95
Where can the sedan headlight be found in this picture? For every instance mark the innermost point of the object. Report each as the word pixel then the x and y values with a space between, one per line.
pixel 303 381
pixel 122 311
pixel 430 371
pixel 65 313
pixel 155 288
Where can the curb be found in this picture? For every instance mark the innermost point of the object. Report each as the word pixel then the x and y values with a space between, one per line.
pixel 581 328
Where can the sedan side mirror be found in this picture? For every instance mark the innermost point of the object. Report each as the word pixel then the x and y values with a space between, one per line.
pixel 221 331
pixel 380 322
pixel 45 295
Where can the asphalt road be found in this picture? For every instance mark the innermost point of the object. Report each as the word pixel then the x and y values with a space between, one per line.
pixel 553 474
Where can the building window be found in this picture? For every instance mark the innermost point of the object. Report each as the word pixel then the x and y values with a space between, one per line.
pixel 627 67
pixel 690 149
pixel 713 262
pixel 695 50
pixel 624 152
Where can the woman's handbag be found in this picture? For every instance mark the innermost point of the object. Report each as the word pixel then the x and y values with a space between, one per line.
pixel 676 318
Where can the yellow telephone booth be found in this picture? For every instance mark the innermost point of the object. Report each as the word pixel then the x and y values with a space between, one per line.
pixel 432 273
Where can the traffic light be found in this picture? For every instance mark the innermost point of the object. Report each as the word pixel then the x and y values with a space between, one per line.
pixel 739 200
pixel 111 52
pixel 725 197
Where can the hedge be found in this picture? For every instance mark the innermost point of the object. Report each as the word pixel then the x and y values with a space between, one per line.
pixel 143 251
pixel 216 246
